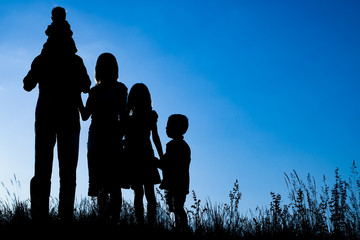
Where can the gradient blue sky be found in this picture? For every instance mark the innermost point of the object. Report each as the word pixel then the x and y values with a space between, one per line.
pixel 268 86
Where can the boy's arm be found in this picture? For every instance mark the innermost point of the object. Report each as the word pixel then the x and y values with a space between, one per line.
pixel 162 162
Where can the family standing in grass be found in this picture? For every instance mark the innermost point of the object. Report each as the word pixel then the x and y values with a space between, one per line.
pixel 120 153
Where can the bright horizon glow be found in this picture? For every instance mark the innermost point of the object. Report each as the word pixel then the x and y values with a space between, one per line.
pixel 267 87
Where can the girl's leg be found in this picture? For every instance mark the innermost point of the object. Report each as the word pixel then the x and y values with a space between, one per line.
pixel 151 203
pixel 138 203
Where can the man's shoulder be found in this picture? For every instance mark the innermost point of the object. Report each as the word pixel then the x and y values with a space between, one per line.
pixel 121 86
pixel 78 59
pixel 38 59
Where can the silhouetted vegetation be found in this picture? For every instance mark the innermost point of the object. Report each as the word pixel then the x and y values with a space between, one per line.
pixel 312 212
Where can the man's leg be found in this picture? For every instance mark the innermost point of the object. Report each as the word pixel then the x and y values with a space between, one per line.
pixel 68 150
pixel 45 138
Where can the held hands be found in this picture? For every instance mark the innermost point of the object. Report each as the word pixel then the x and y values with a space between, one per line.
pixel 158 162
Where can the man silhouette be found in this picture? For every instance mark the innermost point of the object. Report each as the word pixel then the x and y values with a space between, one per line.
pixel 61 77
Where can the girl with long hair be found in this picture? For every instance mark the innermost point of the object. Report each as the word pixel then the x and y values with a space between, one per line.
pixel 142 123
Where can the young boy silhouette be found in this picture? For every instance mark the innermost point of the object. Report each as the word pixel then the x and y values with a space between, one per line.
pixel 59 26
pixel 175 167
pixel 59 33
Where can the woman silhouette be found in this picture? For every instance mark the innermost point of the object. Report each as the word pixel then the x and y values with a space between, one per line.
pixel 107 107
pixel 142 123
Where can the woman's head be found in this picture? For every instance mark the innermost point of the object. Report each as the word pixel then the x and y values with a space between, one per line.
pixel 106 69
pixel 139 98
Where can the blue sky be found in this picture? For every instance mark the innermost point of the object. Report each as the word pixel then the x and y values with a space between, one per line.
pixel 268 86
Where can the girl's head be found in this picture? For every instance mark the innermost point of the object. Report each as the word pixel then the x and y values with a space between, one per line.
pixel 106 69
pixel 139 98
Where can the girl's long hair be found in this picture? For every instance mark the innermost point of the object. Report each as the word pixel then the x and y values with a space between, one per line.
pixel 106 69
pixel 139 98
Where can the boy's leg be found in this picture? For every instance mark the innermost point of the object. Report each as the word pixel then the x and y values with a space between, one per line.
pixel 180 214
pixel 138 202
pixel 45 138
pixel 68 150
pixel 151 203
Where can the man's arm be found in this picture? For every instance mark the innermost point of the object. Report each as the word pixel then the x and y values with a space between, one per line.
pixel 84 79
pixel 32 78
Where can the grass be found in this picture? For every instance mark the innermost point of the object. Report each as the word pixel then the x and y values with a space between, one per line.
pixel 312 212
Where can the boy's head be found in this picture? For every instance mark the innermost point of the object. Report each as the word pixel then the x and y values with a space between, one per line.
pixel 177 125
pixel 58 14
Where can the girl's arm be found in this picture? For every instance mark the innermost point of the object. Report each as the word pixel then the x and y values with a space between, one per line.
pixel 157 142
pixel 124 115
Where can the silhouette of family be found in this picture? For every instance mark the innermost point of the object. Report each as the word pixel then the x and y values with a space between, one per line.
pixel 119 150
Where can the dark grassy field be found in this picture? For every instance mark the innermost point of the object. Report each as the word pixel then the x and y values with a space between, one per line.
pixel 313 212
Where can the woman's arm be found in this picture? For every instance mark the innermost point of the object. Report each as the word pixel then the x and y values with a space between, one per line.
pixel 84 112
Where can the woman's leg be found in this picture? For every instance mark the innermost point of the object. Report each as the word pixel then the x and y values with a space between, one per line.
pixel 115 205
pixel 103 205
